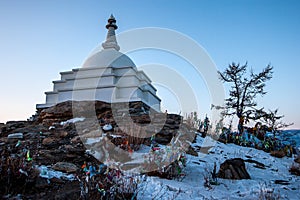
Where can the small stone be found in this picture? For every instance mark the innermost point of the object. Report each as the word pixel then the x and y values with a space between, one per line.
pixel 75 140
pixel 297 160
pixel 65 167
pixel 15 136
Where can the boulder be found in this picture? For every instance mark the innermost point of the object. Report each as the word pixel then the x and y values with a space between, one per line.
pixel 61 134
pixel 278 154
pixel 50 141
pixel 65 167
pixel 295 169
pixel 233 169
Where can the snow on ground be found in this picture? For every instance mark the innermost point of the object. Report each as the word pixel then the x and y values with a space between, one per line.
pixel 192 186
pixel 47 172
pixel 74 120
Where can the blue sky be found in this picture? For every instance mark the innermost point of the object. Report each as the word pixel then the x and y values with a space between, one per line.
pixel 39 39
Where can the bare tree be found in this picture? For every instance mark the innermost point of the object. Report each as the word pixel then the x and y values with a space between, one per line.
pixel 273 120
pixel 245 88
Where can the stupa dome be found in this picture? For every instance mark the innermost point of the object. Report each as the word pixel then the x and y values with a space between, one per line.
pixel 109 57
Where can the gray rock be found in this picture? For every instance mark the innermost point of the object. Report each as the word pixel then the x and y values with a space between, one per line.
pixel 65 167
pixel 15 136
pixel 50 141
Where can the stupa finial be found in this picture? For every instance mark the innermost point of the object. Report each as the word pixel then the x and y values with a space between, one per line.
pixel 111 41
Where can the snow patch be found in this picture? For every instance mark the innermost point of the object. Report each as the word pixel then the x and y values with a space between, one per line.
pixel 260 186
pixel 74 120
pixel 47 172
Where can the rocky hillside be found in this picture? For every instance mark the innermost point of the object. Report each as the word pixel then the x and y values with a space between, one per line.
pixel 46 158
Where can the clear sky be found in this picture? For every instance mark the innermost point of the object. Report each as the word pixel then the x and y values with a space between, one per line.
pixel 39 39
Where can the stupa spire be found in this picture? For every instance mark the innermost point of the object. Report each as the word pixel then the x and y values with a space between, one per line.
pixel 111 41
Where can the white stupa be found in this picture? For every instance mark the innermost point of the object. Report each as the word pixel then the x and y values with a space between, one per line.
pixel 107 75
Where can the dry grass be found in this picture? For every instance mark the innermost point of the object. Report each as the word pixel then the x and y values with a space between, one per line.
pixel 267 193
pixel 136 136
